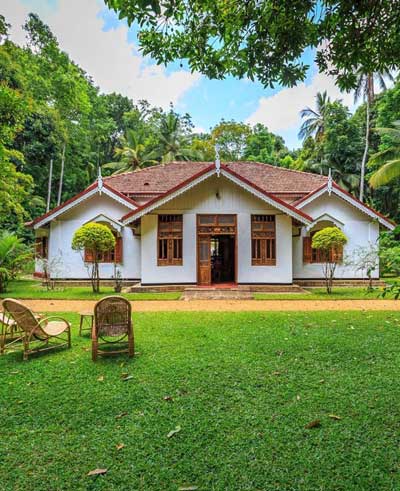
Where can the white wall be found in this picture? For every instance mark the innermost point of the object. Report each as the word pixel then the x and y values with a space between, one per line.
pixel 203 199
pixel 359 229
pixel 62 231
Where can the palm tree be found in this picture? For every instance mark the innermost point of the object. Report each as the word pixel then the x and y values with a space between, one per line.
pixel 132 154
pixel 174 144
pixel 390 158
pixel 314 125
pixel 366 89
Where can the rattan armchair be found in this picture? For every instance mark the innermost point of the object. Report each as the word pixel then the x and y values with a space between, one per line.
pixel 9 332
pixel 112 327
pixel 47 333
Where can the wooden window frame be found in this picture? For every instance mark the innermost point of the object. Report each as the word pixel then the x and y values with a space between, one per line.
pixel 316 256
pixel 107 257
pixel 42 247
pixel 170 240
pixel 263 240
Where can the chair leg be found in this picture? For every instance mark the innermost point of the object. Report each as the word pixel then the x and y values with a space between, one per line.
pixel 131 346
pixel 69 337
pixel 26 349
pixel 80 326
pixel 94 350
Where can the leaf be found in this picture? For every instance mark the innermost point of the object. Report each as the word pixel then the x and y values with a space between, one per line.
pixel 188 488
pixel 168 398
pixel 126 376
pixel 97 472
pixel 174 432
pixel 121 415
pixel 120 446
pixel 101 378
pixel 313 424
pixel 334 416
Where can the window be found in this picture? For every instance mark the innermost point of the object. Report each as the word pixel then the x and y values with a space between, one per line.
pixel 169 240
pixel 311 255
pixel 41 247
pixel 114 255
pixel 263 240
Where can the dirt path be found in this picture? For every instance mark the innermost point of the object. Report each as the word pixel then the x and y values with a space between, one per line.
pixel 220 305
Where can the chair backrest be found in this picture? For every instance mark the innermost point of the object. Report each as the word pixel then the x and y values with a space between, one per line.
pixel 21 314
pixel 112 316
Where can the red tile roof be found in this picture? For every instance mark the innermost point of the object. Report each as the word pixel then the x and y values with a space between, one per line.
pixel 160 179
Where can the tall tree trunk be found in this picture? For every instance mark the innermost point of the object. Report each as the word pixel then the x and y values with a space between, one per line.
pixel 61 176
pixel 365 155
pixel 49 185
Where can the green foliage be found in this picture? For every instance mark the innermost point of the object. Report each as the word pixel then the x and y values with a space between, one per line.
pixel 388 158
pixel 264 40
pixel 97 238
pixel 314 119
pixel 329 240
pixel 389 252
pixel 14 255
pixel 231 138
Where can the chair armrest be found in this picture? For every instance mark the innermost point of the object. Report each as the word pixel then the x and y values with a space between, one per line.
pixel 52 318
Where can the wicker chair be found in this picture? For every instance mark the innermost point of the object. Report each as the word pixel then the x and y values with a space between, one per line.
pixel 112 327
pixel 9 332
pixel 34 329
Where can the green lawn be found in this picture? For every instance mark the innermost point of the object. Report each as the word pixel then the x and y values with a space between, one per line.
pixel 339 293
pixel 31 289
pixel 241 386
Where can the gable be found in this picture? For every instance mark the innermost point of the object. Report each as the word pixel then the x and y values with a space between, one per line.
pixel 95 205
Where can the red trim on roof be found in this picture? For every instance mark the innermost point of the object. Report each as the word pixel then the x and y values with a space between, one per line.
pixel 230 171
pixel 79 195
pixel 265 193
pixel 363 204
pixel 178 186
pixel 309 195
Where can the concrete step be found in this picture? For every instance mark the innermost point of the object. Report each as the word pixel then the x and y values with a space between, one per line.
pixel 216 294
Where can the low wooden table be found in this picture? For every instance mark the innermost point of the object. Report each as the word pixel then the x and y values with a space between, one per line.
pixel 86 321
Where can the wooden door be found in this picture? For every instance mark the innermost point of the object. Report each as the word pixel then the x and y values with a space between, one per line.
pixel 204 260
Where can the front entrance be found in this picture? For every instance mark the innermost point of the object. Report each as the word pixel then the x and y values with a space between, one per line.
pixel 216 249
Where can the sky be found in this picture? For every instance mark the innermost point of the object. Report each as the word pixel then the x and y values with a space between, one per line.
pixel 107 49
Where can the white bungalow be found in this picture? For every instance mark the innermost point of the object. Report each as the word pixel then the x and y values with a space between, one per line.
pixel 205 223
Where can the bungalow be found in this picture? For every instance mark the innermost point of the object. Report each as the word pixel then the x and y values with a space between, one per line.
pixel 207 223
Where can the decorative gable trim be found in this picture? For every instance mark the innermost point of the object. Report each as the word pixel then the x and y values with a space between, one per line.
pixel 111 221
pixel 79 198
pixel 232 176
pixel 326 217
pixel 341 193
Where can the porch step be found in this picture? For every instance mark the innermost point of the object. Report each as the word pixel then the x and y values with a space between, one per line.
pixel 338 282
pixel 216 294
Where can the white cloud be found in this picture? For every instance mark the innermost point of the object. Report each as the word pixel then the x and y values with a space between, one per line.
pixel 107 56
pixel 280 112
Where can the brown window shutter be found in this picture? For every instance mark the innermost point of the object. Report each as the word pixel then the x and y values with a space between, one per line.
pixel 118 249
pixel 307 251
pixel 88 256
pixel 337 254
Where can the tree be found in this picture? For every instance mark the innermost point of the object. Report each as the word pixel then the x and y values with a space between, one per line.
pixel 329 241
pixel 389 252
pixel 132 153
pixel 366 89
pixel 174 142
pixel 389 158
pixel 314 124
pixel 96 239
pixel 364 259
pixel 14 255
pixel 231 138
pixel 264 40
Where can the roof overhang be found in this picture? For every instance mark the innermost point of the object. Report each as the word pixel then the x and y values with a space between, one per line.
pixel 79 198
pixel 232 176
pixel 326 217
pixel 117 225
pixel 341 193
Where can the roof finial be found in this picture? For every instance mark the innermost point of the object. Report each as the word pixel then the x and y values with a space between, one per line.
pixel 329 184
pixel 99 181
pixel 217 160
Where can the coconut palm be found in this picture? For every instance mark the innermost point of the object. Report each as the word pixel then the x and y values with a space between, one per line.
pixel 366 89
pixel 390 158
pixel 314 124
pixel 174 144
pixel 132 154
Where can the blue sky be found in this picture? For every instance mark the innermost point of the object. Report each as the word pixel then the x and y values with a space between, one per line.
pixel 108 50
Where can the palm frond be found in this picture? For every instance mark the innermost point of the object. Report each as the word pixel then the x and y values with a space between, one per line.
pixel 388 172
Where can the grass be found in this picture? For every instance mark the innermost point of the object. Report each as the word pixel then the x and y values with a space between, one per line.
pixel 241 386
pixel 339 293
pixel 31 289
